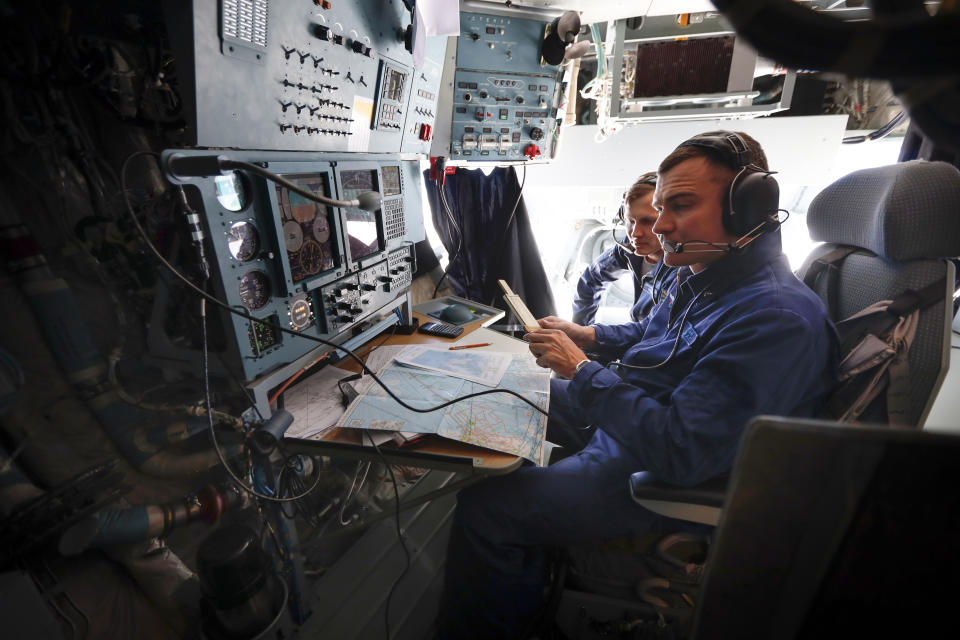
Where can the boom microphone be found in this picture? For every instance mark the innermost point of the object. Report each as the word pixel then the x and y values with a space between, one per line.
pixel 712 247
pixel 761 229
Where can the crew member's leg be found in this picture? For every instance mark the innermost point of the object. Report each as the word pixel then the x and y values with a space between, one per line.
pixel 494 580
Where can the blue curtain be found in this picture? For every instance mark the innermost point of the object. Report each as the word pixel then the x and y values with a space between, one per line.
pixel 498 240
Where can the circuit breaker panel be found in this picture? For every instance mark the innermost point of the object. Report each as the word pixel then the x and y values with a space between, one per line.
pixel 290 261
pixel 505 97
pixel 310 76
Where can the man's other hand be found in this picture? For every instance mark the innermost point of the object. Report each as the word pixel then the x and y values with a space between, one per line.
pixel 583 337
pixel 554 350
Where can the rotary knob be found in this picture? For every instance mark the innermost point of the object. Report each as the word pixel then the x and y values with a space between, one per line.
pixel 536 133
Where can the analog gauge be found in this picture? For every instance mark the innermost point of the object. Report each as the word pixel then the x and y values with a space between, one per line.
pixel 231 194
pixel 300 315
pixel 292 235
pixel 243 241
pixel 255 290
pixel 311 258
pixel 321 229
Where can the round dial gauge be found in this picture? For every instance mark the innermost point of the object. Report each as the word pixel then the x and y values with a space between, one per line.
pixel 321 229
pixel 311 258
pixel 255 290
pixel 243 241
pixel 292 236
pixel 300 315
pixel 231 194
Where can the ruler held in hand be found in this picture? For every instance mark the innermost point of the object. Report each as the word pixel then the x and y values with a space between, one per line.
pixel 518 307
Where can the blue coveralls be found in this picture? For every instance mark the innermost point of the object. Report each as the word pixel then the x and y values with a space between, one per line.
pixel 752 340
pixel 609 267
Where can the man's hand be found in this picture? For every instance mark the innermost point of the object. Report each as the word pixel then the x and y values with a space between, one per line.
pixel 583 337
pixel 555 350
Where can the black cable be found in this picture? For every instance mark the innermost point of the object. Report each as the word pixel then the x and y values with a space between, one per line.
pixel 403 544
pixel 456 254
pixel 291 186
pixel 206 296
pixel 882 132
pixel 506 231
pixel 213 433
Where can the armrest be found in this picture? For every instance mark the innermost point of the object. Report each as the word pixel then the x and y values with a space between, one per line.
pixel 701 503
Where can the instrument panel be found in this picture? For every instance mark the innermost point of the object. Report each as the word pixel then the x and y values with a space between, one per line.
pixel 505 97
pixel 312 76
pixel 288 260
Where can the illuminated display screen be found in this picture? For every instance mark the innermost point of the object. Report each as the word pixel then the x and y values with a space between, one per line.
pixel 306 229
pixel 362 227
pixel 391 181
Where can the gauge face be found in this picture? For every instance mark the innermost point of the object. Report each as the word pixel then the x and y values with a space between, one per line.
pixel 321 229
pixel 231 194
pixel 292 236
pixel 255 290
pixel 306 227
pixel 300 314
pixel 310 258
pixel 243 241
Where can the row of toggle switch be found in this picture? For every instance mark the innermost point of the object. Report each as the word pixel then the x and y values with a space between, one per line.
pixel 313 112
pixel 296 128
pixel 317 88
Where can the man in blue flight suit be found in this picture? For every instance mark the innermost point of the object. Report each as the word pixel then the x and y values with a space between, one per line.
pixel 642 257
pixel 740 337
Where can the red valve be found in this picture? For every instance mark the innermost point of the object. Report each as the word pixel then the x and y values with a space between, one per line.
pixel 531 151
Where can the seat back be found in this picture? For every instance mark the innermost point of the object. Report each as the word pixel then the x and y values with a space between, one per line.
pixel 904 221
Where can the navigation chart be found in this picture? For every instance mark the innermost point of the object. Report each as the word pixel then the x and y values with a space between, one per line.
pixel 499 421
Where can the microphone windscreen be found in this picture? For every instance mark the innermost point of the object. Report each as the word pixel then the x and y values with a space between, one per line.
pixel 369 200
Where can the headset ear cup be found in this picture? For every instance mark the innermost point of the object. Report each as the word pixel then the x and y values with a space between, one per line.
pixel 754 196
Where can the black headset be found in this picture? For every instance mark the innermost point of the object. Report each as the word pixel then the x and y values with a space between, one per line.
pixel 754 195
pixel 649 178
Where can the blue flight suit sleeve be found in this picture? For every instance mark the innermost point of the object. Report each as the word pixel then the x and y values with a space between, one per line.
pixel 607 268
pixel 758 363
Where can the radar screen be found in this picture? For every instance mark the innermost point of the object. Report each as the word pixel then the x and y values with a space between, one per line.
pixel 363 228
pixel 306 228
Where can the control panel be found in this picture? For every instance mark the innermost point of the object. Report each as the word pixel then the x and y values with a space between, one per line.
pixel 350 299
pixel 307 75
pixel 505 98
pixel 313 268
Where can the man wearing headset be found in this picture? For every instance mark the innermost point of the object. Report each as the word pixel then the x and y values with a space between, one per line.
pixel 740 336
pixel 641 257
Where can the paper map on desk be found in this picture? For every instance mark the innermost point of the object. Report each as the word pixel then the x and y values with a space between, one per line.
pixel 485 367
pixel 497 421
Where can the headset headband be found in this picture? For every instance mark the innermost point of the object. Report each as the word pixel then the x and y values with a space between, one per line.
pixel 730 145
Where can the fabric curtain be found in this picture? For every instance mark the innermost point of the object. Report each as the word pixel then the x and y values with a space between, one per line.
pixel 497 240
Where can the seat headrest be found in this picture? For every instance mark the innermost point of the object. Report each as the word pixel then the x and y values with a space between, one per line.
pixel 903 211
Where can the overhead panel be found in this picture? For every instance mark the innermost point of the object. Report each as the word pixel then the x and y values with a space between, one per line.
pixel 312 76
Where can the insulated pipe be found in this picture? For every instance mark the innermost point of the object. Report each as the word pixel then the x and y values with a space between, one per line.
pixel 59 319
pixel 112 527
